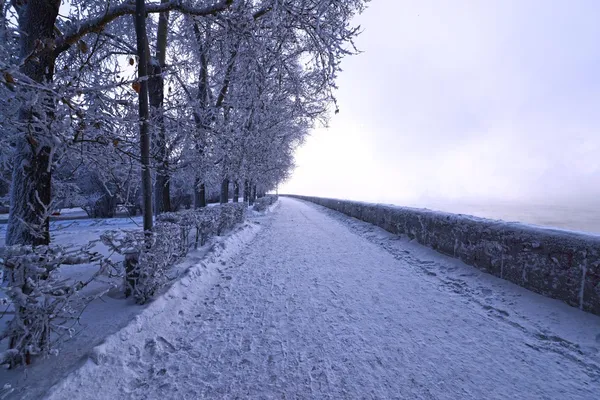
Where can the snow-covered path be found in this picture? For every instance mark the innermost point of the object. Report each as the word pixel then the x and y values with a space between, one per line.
pixel 313 308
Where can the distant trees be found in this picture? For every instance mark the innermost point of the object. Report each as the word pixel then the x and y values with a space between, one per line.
pixel 177 98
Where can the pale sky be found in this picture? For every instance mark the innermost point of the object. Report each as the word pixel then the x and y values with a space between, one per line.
pixel 464 99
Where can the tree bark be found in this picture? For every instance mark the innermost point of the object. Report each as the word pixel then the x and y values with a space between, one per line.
pixel 224 191
pixel 246 191
pixel 201 117
pixel 200 195
pixel 144 114
pixel 236 191
pixel 162 194
pixel 28 221
pixel 156 96
pixel 252 193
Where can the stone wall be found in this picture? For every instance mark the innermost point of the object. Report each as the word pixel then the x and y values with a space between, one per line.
pixel 559 264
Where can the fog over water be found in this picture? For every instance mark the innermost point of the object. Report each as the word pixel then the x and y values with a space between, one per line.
pixel 482 107
pixel 583 218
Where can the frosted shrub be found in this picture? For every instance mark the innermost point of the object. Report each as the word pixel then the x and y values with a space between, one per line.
pixel 230 214
pixel 200 224
pixel 45 307
pixel 148 258
pixel 263 203
pixel 185 224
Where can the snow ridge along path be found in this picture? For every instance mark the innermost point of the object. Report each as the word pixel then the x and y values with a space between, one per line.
pixel 321 306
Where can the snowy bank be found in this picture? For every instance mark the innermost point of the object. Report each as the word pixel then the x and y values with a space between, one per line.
pixel 559 264
pixel 105 367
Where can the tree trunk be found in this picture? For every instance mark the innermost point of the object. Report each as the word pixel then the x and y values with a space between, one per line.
pixel 30 193
pixel 224 191
pixel 28 221
pixel 142 49
pixel 131 260
pixel 200 195
pixel 104 207
pixel 236 191
pixel 162 194
pixel 200 116
pixel 246 191
pixel 252 189
pixel 31 185
pixel 156 95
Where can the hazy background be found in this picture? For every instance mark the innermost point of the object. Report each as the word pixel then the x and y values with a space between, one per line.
pixel 487 107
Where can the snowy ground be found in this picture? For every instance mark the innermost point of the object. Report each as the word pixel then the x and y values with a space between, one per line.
pixel 323 306
pixel 105 316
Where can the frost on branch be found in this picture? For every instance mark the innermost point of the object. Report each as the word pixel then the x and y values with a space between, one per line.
pixel 149 257
pixel 45 307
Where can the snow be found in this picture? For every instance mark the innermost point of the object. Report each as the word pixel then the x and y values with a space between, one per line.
pixel 102 317
pixel 320 305
pixel 73 212
pixel 560 264
pixel 99 319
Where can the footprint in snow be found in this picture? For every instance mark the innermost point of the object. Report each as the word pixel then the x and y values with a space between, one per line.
pixel 157 348
pixel 166 344
pixel 134 351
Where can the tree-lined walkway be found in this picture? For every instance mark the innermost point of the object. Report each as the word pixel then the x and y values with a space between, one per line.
pixel 312 309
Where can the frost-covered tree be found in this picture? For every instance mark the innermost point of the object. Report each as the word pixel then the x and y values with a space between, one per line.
pixel 261 52
pixel 224 76
pixel 30 69
pixel 166 100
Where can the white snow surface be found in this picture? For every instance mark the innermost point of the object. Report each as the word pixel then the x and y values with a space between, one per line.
pixel 323 306
pixel 105 315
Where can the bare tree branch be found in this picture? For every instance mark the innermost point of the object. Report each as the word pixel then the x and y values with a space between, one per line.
pixel 97 23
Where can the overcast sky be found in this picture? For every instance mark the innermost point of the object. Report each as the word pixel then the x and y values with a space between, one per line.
pixel 464 99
